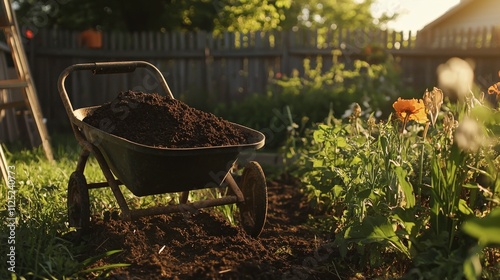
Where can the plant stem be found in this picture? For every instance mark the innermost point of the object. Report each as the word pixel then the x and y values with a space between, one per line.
pixel 422 152
pixel 289 115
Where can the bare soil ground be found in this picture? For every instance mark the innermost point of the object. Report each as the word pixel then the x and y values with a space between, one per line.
pixel 206 246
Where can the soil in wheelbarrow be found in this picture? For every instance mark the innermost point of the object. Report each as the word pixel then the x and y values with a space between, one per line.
pixel 155 120
pixel 206 246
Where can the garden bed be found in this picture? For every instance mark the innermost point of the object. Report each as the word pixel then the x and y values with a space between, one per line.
pixel 206 246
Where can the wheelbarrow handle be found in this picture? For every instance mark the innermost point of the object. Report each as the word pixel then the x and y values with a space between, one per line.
pixel 106 68
pixel 114 67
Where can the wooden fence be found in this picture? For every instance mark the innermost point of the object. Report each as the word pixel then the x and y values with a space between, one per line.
pixel 464 39
pixel 204 68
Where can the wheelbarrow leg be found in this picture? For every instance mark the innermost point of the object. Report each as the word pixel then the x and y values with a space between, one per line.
pixel 126 215
pixel 78 203
pixel 82 160
pixel 184 197
pixel 234 187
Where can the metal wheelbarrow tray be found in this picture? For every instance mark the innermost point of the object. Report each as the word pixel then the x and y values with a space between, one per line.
pixel 147 170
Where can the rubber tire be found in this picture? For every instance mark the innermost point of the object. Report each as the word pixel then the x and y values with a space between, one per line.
pixel 78 202
pixel 253 211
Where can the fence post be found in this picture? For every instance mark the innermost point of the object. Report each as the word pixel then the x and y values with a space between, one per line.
pixel 285 52
pixel 495 37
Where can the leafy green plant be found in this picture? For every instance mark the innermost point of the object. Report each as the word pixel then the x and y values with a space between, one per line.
pixel 405 185
pixel 487 232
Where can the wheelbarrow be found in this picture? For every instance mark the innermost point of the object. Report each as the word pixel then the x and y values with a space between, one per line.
pixel 148 170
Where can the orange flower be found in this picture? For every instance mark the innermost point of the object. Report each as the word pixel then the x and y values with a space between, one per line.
pixel 410 109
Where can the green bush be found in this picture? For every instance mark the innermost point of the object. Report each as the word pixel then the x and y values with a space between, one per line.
pixel 311 97
pixel 407 188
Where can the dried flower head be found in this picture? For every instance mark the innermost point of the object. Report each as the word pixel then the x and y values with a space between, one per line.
pixel 493 96
pixel 356 110
pixel 494 89
pixel 372 122
pixel 410 109
pixel 433 101
pixel 449 125
pixel 354 117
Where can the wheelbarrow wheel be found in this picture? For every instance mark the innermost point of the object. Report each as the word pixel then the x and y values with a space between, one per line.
pixel 253 210
pixel 78 202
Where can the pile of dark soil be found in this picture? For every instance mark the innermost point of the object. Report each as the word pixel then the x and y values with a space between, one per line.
pixel 155 120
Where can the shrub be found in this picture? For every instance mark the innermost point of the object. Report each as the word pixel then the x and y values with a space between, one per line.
pixel 408 185
pixel 311 97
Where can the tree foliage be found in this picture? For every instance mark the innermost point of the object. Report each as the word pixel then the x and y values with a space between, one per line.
pixel 125 15
pixel 250 15
pixel 192 15
pixel 332 13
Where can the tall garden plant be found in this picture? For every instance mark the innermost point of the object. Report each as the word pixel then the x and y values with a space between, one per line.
pixel 407 185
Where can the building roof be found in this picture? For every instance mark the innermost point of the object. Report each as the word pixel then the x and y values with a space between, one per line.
pixel 453 10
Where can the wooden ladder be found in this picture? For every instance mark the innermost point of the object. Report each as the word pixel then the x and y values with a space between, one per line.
pixel 24 81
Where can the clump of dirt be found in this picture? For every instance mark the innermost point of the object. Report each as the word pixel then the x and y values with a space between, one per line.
pixel 155 120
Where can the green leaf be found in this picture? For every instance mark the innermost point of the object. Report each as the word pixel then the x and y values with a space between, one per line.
pixel 355 161
pixel 105 267
pixel 470 186
pixel 94 259
pixel 337 190
pixel 374 230
pixel 364 194
pixel 486 230
pixel 319 135
pixel 384 144
pixel 318 163
pixel 464 208
pixel 472 265
pixel 341 142
pixel 407 218
pixel 406 187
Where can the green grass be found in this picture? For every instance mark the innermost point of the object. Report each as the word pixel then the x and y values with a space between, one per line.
pixel 41 250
